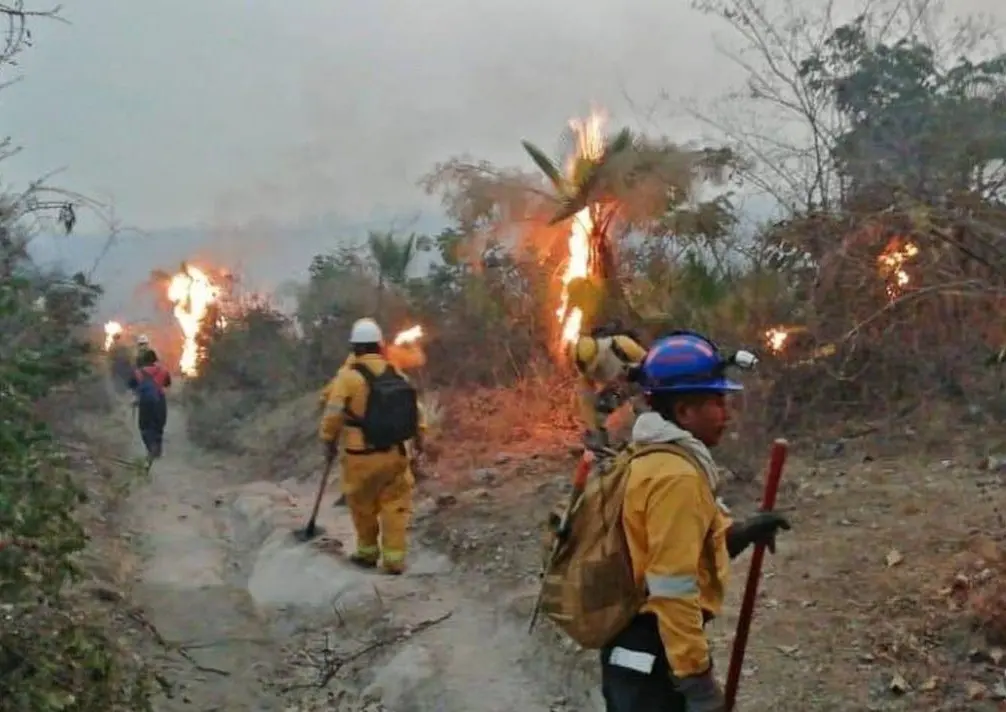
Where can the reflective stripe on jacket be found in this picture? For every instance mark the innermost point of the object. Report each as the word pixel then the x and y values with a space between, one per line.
pixel 676 535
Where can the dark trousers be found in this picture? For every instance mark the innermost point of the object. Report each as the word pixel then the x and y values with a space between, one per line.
pixel 153 417
pixel 626 689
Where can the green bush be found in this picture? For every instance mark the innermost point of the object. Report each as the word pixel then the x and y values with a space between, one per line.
pixel 52 656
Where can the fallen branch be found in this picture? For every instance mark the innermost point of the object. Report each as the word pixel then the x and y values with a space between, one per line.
pixel 138 616
pixel 336 665
pixel 199 645
pixel 333 664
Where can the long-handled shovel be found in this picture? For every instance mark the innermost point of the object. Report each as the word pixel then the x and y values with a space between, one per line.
pixel 312 529
pixel 776 462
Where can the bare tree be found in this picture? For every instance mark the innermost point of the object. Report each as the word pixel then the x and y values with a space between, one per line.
pixel 787 123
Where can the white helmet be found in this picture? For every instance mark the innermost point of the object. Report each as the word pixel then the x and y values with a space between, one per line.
pixel 143 340
pixel 365 331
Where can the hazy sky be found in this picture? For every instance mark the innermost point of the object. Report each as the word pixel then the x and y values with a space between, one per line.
pixel 195 111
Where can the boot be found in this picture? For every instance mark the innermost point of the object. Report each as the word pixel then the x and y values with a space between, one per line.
pixel 362 560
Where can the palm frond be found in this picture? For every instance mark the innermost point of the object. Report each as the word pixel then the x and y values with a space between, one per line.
pixel 543 162
pixel 621 141
pixel 570 208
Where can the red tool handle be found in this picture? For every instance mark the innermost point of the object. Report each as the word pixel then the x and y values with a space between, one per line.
pixel 582 471
pixel 776 462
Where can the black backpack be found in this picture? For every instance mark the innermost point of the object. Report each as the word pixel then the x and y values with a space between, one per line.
pixel 392 414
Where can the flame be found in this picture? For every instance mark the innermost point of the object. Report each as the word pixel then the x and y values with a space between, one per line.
pixel 776 338
pixel 192 292
pixel 892 262
pixel 405 352
pixel 112 329
pixel 408 336
pixel 589 144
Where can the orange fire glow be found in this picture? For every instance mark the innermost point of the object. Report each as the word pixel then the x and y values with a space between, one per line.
pixel 191 292
pixel 405 351
pixel 112 329
pixel 589 144
pixel 892 266
pixel 408 336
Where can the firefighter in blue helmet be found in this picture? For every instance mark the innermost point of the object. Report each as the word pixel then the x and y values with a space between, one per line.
pixel 679 537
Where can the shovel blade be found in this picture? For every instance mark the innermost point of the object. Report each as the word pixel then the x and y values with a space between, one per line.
pixel 308 533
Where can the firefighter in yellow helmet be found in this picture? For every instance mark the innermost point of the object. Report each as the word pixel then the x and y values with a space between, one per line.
pixel 371 419
pixel 679 536
pixel 606 361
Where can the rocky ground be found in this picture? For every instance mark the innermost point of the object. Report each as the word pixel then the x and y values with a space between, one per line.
pixel 869 603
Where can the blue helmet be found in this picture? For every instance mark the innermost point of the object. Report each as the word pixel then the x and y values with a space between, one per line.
pixel 686 362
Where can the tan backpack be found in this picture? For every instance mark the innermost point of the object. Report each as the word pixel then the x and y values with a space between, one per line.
pixel 589 590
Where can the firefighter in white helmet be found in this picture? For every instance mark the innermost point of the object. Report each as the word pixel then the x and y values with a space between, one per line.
pixel 142 347
pixel 371 418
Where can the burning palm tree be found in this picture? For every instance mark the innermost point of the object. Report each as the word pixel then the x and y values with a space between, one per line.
pixel 592 257
pixel 640 184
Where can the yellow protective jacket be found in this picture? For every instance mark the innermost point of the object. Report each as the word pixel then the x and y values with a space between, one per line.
pixel 676 534
pixel 601 362
pixel 348 392
pixel 326 391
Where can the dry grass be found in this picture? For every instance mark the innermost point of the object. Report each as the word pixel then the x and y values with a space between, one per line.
pixel 484 426
pixel 284 441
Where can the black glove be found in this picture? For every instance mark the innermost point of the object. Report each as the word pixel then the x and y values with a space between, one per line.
pixel 702 693
pixel 331 448
pixel 758 529
pixel 608 401
pixel 595 440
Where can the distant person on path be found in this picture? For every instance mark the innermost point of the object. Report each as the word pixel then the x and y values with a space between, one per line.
pixel 120 364
pixel 142 346
pixel 148 383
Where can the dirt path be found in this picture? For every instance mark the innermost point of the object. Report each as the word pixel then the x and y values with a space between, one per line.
pixel 257 621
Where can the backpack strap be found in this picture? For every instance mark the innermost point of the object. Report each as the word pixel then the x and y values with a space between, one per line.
pixel 640 449
pixel 619 352
pixel 352 419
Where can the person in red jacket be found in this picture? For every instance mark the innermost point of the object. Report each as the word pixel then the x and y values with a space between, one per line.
pixel 148 384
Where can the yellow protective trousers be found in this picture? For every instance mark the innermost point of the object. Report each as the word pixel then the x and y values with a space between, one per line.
pixel 378 489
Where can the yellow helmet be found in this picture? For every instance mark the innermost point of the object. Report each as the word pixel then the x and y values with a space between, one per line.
pixel 583 352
